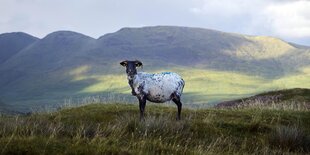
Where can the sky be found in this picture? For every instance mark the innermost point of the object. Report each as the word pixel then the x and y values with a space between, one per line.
pixel 285 19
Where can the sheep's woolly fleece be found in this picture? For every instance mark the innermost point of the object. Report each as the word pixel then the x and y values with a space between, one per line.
pixel 158 87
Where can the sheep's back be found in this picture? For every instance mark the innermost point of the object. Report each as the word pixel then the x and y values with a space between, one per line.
pixel 159 87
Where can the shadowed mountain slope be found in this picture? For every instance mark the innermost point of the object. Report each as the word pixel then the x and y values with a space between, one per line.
pixel 12 43
pixel 67 64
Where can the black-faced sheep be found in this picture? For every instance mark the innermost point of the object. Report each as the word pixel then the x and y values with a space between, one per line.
pixel 156 88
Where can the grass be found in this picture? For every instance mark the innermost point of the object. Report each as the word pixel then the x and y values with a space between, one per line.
pixel 287 99
pixel 116 129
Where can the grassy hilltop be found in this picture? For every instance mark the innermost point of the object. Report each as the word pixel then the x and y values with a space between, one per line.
pixel 116 129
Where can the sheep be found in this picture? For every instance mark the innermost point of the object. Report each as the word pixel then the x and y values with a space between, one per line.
pixel 158 88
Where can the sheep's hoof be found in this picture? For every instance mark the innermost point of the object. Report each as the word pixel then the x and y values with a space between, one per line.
pixel 142 119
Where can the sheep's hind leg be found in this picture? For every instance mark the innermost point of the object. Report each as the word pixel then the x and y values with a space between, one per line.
pixel 176 99
pixel 142 103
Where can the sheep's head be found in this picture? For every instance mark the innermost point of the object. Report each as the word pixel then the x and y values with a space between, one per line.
pixel 131 67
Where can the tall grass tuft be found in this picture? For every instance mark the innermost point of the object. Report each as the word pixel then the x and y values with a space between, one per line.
pixel 290 138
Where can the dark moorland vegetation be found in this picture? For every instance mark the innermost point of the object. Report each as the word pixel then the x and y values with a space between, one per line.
pixel 297 98
pixel 116 129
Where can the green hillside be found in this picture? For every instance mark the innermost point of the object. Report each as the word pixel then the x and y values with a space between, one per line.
pixel 116 129
pixel 216 66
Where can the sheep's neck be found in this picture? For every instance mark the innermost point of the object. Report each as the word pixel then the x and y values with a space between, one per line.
pixel 130 82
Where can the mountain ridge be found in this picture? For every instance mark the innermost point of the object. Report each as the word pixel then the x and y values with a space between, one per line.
pixel 13 42
pixel 181 27
pixel 67 64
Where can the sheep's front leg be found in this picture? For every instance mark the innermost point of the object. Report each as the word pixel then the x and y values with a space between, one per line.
pixel 142 103
pixel 178 102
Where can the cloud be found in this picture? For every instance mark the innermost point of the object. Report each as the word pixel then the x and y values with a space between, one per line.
pixel 91 17
pixel 289 19
pixel 238 16
pixel 227 8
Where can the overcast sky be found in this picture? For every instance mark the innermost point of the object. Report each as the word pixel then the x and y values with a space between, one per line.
pixel 286 19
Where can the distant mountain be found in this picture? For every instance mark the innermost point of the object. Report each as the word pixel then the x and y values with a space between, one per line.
pixel 12 43
pixel 204 48
pixel 52 52
pixel 67 64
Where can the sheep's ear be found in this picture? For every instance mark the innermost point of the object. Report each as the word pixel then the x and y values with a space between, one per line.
pixel 123 63
pixel 138 63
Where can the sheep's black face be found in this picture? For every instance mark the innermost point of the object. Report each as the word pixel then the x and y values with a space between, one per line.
pixel 131 67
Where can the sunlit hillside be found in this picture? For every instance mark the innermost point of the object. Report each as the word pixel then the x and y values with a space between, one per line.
pixel 216 66
pixel 203 86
